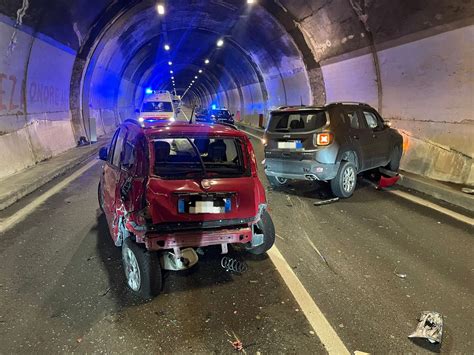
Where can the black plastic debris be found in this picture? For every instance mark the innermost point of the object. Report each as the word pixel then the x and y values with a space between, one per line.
pixel 326 202
pixel 430 327
pixel 82 141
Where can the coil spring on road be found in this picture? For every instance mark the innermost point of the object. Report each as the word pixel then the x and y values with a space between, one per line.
pixel 233 265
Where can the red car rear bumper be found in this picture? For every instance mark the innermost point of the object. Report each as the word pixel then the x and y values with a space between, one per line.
pixel 198 238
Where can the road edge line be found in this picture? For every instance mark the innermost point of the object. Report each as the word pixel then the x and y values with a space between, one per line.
pixel 21 214
pixel 323 329
pixel 420 201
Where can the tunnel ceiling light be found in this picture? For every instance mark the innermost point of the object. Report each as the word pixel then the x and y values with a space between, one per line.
pixel 171 72
pixel 170 63
pixel 220 42
pixel 207 61
pixel 200 71
pixel 195 77
pixel 250 1
pixel 167 47
pixel 172 78
pixel 161 9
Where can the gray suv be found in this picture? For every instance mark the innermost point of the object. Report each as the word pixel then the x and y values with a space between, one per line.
pixel 330 143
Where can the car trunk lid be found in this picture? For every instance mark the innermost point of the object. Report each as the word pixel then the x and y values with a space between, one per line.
pixel 199 200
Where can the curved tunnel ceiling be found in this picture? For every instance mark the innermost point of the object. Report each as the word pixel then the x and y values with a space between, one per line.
pixel 255 52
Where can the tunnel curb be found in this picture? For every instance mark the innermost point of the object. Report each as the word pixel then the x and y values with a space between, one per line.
pixel 411 181
pixel 36 181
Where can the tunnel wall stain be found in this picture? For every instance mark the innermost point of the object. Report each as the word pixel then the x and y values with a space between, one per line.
pixel 428 88
pixel 35 121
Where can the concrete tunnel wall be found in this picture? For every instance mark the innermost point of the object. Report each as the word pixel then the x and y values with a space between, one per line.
pixel 411 60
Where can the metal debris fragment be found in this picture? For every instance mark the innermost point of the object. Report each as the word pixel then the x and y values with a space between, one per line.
pixel 326 202
pixel 233 265
pixel 279 236
pixel 106 292
pixel 400 275
pixel 430 327
pixel 468 190
pixel 288 201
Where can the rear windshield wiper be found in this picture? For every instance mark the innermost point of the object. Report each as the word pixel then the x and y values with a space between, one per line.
pixel 196 150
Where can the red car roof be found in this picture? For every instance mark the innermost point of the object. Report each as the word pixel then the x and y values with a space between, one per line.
pixel 185 129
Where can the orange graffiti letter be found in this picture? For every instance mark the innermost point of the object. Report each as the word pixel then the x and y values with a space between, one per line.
pixel 2 106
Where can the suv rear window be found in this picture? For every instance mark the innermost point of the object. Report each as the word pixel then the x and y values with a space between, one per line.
pixel 183 158
pixel 302 121
pixel 157 106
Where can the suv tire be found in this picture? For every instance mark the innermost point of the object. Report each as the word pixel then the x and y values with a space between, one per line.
pixel 395 158
pixel 265 225
pixel 142 270
pixel 343 185
pixel 277 182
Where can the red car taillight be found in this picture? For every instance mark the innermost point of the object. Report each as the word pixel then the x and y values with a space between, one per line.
pixel 323 139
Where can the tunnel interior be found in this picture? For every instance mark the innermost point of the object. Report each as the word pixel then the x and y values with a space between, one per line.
pixel 67 64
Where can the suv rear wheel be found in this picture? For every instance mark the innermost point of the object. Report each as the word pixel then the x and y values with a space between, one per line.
pixel 276 181
pixel 142 269
pixel 343 185
pixel 395 158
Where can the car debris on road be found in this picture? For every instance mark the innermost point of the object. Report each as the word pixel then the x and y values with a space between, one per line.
pixel 326 202
pixel 430 327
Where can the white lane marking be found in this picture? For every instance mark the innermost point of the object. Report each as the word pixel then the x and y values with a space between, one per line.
pixel 418 200
pixel 320 324
pixel 17 217
pixel 433 206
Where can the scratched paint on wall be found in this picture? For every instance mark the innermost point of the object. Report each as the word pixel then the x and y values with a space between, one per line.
pixel 48 78
pixel 12 65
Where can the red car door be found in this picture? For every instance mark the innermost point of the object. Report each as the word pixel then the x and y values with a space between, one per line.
pixel 111 181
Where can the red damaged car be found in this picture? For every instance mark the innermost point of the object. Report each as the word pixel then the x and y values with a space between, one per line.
pixel 170 187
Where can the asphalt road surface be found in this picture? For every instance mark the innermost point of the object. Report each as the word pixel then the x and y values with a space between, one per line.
pixel 62 287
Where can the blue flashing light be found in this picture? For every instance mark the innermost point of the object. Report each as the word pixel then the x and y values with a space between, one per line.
pixel 148 91
pixel 214 106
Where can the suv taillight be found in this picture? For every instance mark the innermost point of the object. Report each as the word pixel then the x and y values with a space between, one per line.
pixel 323 139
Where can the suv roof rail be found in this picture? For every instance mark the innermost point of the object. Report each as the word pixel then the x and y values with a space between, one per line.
pixel 290 106
pixel 348 103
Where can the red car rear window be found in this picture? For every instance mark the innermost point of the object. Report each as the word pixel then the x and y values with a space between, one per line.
pixel 183 158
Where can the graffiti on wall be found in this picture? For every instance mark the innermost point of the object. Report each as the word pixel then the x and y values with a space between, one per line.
pixel 8 88
pixel 40 95
pixel 47 95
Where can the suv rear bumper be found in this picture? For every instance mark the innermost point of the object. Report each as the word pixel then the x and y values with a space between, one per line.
pixel 201 238
pixel 300 169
